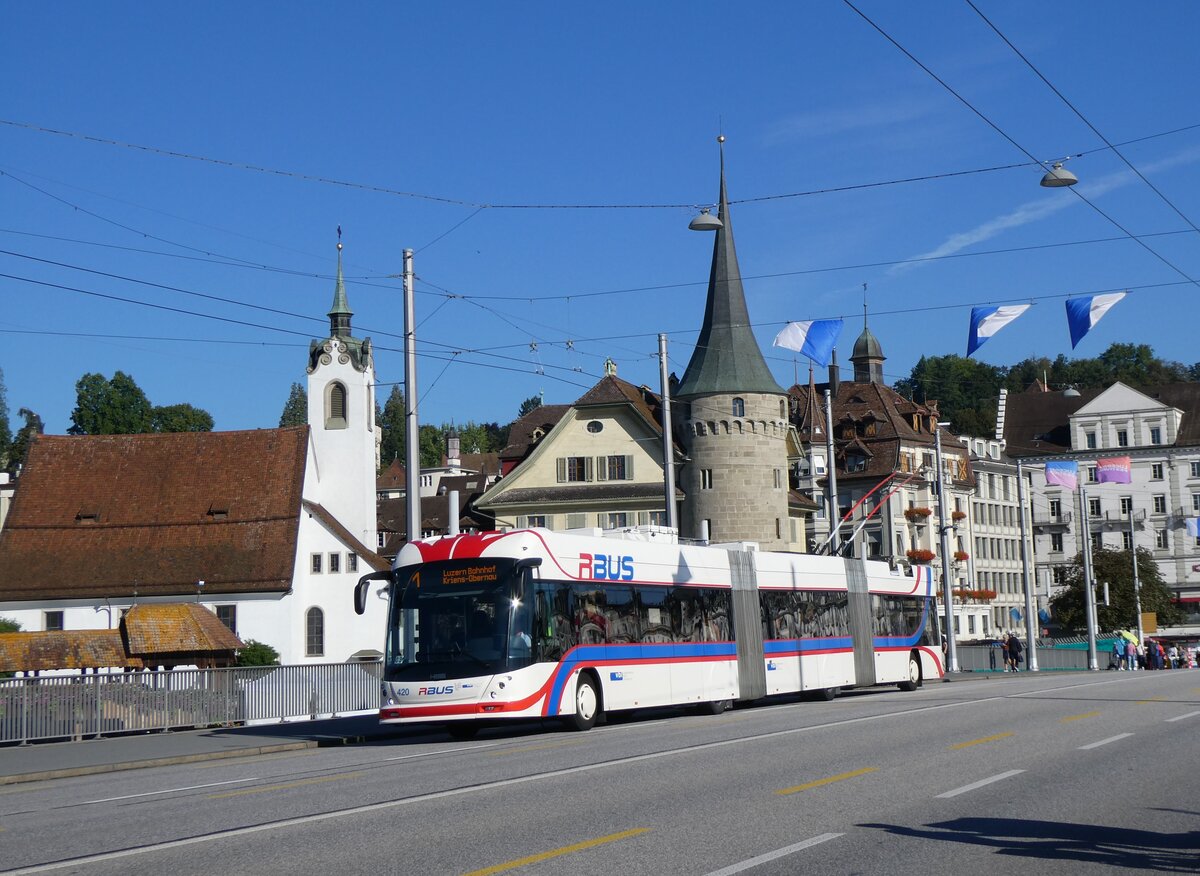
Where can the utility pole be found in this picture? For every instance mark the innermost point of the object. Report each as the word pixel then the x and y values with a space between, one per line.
pixel 944 534
pixel 412 441
pixel 1137 584
pixel 1031 661
pixel 835 514
pixel 668 444
pixel 1089 594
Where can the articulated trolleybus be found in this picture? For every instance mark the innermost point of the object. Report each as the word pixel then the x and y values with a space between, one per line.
pixel 538 624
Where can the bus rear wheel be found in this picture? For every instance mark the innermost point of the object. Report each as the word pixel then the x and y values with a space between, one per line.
pixel 462 729
pixel 587 704
pixel 914 674
pixel 714 707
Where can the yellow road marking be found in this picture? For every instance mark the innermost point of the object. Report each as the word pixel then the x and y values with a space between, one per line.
pixel 981 741
pixel 1078 717
pixel 542 747
pixel 284 786
pixel 555 853
pixel 1151 700
pixel 819 782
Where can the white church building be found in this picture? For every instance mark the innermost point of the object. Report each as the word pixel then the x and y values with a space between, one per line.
pixel 268 528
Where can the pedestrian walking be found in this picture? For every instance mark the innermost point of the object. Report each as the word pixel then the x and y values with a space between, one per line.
pixel 1014 652
pixel 1117 658
pixel 1004 650
pixel 1131 658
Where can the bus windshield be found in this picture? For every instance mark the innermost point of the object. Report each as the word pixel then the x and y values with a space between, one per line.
pixel 458 619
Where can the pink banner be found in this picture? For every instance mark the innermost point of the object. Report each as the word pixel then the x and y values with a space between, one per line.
pixel 1115 470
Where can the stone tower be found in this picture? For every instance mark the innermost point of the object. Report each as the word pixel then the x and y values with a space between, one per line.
pixel 341 420
pixel 732 416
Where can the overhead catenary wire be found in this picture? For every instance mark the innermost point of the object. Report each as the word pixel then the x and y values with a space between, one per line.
pixel 1073 189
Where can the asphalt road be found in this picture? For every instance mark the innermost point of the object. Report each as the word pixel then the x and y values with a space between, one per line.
pixel 1053 773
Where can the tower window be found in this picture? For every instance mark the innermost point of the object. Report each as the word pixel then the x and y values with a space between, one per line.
pixel 739 407
pixel 335 406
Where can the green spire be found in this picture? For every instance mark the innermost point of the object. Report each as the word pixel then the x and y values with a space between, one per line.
pixel 727 357
pixel 340 313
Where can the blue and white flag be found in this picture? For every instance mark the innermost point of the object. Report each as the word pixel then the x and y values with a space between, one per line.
pixel 1193 526
pixel 1084 313
pixel 815 338
pixel 986 321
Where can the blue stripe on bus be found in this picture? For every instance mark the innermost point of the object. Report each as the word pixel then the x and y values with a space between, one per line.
pixel 780 646
pixel 641 651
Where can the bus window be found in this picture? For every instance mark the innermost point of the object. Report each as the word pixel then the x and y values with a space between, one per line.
pixel 622 615
pixel 591 625
pixel 553 621
pixel 655 620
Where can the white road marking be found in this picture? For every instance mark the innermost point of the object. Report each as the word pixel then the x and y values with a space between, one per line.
pixel 167 791
pixel 1181 717
pixel 974 785
pixel 1119 736
pixel 771 856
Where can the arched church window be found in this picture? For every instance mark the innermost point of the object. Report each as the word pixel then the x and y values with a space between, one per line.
pixel 739 407
pixel 314 632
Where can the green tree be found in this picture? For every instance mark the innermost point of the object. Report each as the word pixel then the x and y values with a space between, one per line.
pixel 110 407
pixel 482 437
pixel 530 404
pixel 1116 567
pixel 24 437
pixel 392 423
pixel 5 428
pixel 257 654
pixel 432 444
pixel 8 625
pixel 965 390
pixel 295 409
pixel 181 418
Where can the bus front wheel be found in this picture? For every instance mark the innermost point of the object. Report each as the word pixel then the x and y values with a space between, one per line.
pixel 587 703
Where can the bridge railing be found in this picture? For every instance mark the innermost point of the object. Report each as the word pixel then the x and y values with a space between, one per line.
pixel 989 658
pixel 81 706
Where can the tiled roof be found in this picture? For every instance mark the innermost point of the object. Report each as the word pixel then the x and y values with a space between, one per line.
pixel 64 649
pixel 108 515
pixel 541 419
pixel 393 477
pixel 175 628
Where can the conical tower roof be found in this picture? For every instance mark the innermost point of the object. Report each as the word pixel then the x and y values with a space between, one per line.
pixel 340 313
pixel 727 357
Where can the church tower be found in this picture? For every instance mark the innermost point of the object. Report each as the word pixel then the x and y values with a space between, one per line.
pixel 867 356
pixel 732 415
pixel 341 420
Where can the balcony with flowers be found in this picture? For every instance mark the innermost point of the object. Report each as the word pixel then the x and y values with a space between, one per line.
pixel 918 515
pixel 920 556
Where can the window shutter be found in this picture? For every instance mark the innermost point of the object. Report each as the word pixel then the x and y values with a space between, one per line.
pixel 601 468
pixel 601 520
pixel 629 467
pixel 588 469
pixel 522 521
pixel 561 463
pixel 643 518
pixel 576 521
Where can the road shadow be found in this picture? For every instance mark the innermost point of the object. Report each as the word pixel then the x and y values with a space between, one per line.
pixel 1126 849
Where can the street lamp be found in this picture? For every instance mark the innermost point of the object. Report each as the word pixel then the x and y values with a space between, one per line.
pixel 1058 177
pixel 705 221
pixel 944 532
pixel 1031 661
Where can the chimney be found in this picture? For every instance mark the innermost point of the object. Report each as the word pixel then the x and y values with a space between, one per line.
pixel 835 379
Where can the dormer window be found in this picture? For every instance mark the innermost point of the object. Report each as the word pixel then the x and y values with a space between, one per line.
pixel 87 515
pixel 218 510
pixel 856 462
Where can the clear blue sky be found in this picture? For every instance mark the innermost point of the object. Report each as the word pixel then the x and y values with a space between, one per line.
pixel 571 104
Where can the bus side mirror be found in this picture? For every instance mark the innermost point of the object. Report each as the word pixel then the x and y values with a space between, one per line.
pixel 360 589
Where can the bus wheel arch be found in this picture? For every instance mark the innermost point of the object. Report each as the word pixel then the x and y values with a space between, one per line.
pixel 589 701
pixel 915 674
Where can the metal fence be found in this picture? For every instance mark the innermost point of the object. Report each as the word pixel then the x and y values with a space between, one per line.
pixel 988 658
pixel 80 706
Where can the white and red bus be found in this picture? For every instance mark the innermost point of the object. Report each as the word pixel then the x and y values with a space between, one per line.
pixel 538 624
